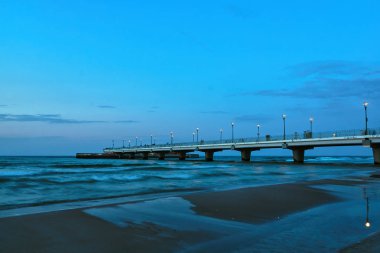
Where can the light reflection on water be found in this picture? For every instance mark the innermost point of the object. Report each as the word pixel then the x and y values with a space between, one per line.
pixel 327 228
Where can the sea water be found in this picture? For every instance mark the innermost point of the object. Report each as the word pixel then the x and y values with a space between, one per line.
pixel 42 184
pixel 41 181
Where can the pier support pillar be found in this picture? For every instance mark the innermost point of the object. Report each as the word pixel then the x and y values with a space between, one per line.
pixel 376 154
pixel 298 155
pixel 145 156
pixel 132 156
pixel 182 155
pixel 209 155
pixel 161 156
pixel 246 155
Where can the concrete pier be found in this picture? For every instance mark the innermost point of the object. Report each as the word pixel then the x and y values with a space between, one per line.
pixel 298 155
pixel 182 155
pixel 209 155
pixel 245 147
pixel 376 154
pixel 246 153
pixel 161 156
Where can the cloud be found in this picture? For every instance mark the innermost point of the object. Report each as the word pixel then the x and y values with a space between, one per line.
pixel 329 88
pixel 25 138
pixel 126 121
pixel 106 106
pixel 53 119
pixel 333 68
pixel 332 106
pixel 329 79
pixel 153 109
pixel 48 118
pixel 3 105
pixel 214 112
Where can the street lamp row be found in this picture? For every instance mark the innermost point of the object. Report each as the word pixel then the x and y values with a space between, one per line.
pixel 196 133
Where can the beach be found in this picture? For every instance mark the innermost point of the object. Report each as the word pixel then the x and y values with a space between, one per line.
pixel 62 204
pixel 196 222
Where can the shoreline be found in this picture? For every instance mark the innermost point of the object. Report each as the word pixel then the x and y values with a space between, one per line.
pixel 139 197
pixel 38 208
pixel 149 228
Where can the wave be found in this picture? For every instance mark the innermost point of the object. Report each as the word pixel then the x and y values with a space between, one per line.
pixel 275 173
pixel 217 174
pixel 95 179
pixel 174 176
pixel 2 180
pixel 115 170
pixel 94 166
pixel 51 181
pixel 63 201
pixel 134 178
pixel 82 166
pixel 102 178
pixel 12 173
pixel 78 170
pixel 18 164
pixel 132 165
pixel 152 168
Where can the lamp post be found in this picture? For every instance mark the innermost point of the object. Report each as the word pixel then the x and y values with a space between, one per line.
pixel 283 119
pixel 232 128
pixel 221 135
pixel 123 144
pixel 366 118
pixel 136 140
pixel 171 138
pixel 129 143
pixel 151 140
pixel 258 132
pixel 113 143
pixel 193 136
pixel 197 133
pixel 311 126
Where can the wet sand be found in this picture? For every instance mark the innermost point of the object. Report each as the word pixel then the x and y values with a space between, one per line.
pixel 368 245
pixel 78 231
pixel 75 231
pixel 260 204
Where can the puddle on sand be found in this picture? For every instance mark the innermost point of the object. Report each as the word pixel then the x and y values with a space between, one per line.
pixel 325 228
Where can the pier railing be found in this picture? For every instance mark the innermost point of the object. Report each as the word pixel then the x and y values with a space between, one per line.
pixel 267 138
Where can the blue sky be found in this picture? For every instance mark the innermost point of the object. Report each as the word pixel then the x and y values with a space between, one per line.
pixel 76 74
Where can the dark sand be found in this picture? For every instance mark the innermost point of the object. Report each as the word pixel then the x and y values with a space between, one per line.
pixel 368 245
pixel 76 231
pixel 345 182
pixel 259 204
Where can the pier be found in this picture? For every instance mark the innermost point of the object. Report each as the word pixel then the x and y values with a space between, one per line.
pixel 370 138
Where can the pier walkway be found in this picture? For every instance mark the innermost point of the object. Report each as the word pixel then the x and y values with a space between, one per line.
pixel 296 143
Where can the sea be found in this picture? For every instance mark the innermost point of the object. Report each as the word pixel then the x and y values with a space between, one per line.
pixel 64 181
